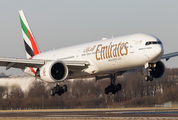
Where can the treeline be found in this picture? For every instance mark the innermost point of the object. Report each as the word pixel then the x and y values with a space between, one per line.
pixel 87 93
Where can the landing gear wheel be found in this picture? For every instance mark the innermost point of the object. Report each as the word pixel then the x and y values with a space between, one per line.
pixel 119 87
pixel 106 91
pixel 59 93
pixel 59 90
pixel 113 88
pixel 52 92
pixel 114 91
pixel 151 78
pixel 148 78
pixel 65 88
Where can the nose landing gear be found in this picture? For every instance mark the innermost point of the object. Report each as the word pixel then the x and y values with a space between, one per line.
pixel 148 78
pixel 149 70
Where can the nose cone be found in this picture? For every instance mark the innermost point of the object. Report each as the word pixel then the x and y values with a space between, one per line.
pixel 158 52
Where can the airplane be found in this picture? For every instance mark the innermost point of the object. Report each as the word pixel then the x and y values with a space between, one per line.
pixel 106 58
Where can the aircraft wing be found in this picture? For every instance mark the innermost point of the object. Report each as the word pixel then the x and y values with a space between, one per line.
pixel 169 55
pixel 22 63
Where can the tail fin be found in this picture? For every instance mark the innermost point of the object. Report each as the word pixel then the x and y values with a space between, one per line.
pixel 29 41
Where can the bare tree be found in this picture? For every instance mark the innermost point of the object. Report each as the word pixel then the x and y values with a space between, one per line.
pixel 16 92
pixel 37 89
pixel 3 91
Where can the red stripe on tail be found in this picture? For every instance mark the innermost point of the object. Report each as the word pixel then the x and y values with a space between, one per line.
pixel 35 49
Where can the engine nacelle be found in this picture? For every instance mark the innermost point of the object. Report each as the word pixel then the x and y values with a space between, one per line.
pixel 159 70
pixel 54 71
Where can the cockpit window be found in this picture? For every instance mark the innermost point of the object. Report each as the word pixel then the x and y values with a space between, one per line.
pixel 159 42
pixel 153 42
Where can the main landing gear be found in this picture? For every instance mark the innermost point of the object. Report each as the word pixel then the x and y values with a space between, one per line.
pixel 149 70
pixel 113 88
pixel 58 90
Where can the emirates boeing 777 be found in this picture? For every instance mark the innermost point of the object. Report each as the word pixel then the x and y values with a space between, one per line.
pixel 107 58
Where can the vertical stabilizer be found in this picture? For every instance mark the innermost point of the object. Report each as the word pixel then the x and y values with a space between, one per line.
pixel 29 41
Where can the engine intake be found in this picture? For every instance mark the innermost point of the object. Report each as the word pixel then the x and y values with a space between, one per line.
pixel 159 70
pixel 54 71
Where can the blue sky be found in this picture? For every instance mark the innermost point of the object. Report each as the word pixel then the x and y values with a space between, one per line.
pixel 61 23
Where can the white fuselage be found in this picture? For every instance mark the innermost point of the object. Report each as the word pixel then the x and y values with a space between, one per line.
pixel 110 55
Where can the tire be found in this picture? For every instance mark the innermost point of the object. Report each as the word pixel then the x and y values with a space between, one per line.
pixel 55 90
pixel 151 78
pixel 119 87
pixel 64 88
pixel 109 88
pixel 52 92
pixel 146 78
pixel 112 88
pixel 114 92
pixel 59 93
pixel 106 90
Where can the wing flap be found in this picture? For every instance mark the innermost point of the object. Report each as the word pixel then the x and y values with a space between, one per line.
pixel 77 65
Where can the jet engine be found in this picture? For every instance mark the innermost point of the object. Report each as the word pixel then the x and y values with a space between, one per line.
pixel 156 70
pixel 159 70
pixel 54 71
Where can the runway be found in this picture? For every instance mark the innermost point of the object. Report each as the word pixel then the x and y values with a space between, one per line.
pixel 101 114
